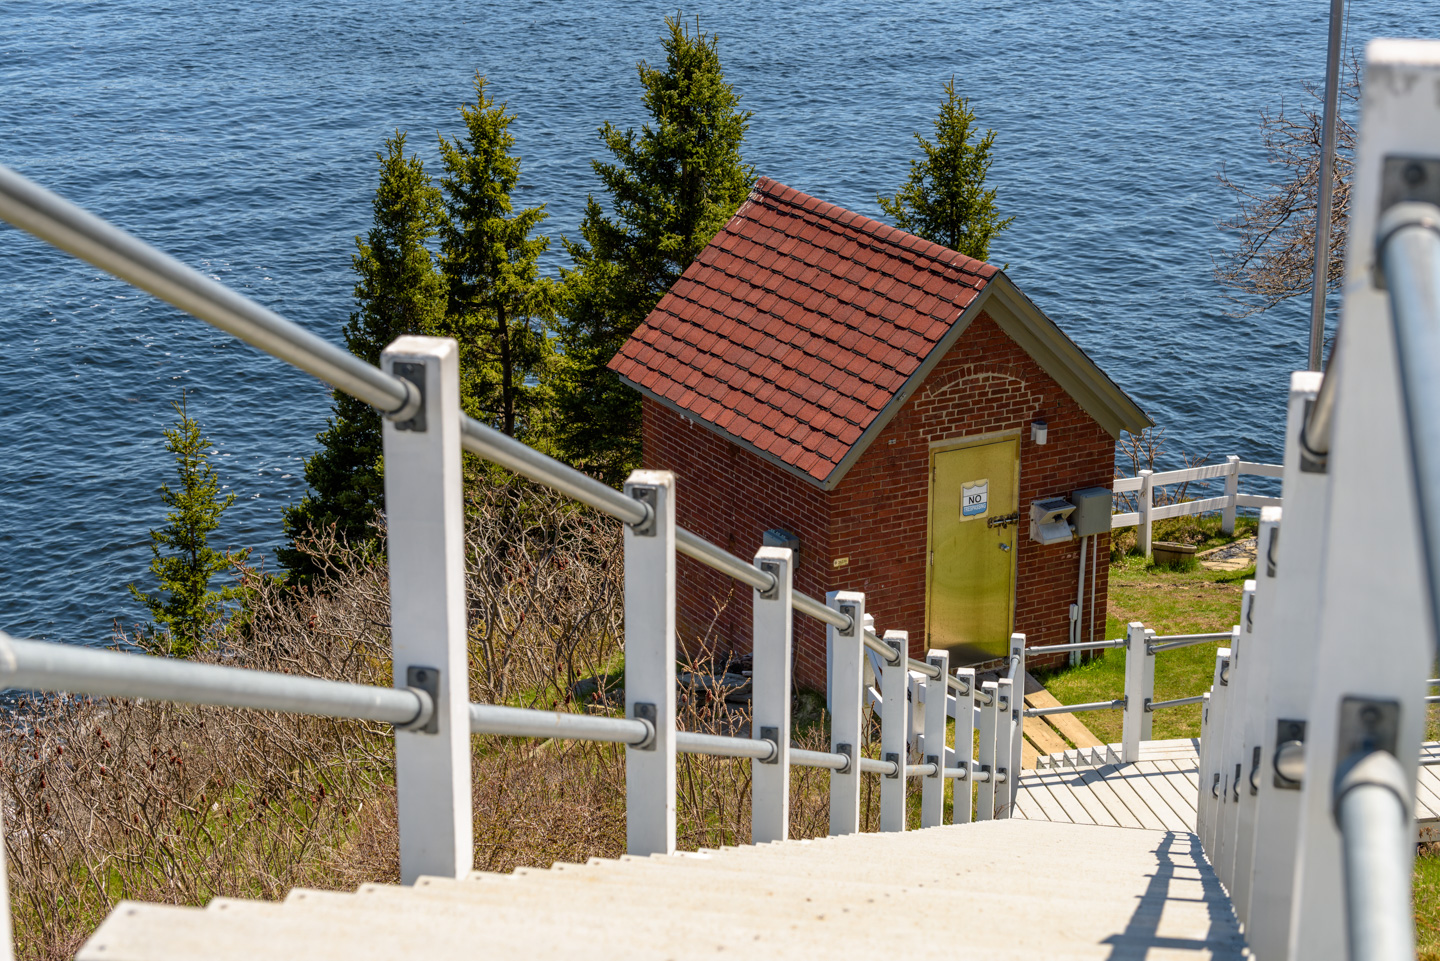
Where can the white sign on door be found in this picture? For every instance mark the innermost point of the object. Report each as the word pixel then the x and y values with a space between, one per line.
pixel 974 498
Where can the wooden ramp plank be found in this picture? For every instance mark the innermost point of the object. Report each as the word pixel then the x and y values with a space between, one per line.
pixel 1047 739
pixel 1077 733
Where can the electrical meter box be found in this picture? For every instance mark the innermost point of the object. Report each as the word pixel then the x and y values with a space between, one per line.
pixel 1092 511
pixel 1049 520
pixel 779 537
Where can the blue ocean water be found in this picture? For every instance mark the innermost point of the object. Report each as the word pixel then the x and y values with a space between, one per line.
pixel 241 138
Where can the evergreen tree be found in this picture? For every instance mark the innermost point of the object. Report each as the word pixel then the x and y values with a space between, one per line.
pixel 671 187
pixel 399 291
pixel 945 200
pixel 186 609
pixel 498 305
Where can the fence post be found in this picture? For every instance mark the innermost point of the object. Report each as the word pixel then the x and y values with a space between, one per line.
pixel 424 511
pixel 932 798
pixel 1137 658
pixel 961 803
pixel 895 730
pixel 1222 857
pixel 1232 490
pixel 1005 724
pixel 985 752
pixel 770 719
pixel 1017 721
pixel 847 658
pixel 1145 501
pixel 650 665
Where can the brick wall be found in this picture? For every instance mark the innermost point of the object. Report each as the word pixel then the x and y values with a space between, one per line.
pixel 877 516
pixel 731 497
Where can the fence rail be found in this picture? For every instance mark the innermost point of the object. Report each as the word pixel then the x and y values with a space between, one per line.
pixel 1147 484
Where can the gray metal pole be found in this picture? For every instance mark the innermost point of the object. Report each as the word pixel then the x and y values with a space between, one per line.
pixel 1327 186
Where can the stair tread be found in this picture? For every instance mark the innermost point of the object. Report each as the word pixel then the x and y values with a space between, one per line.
pixel 1097 888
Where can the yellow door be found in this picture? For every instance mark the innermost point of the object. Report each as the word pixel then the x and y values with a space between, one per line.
pixel 973 515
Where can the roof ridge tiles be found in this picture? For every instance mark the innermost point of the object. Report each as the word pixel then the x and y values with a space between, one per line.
pixel 886 233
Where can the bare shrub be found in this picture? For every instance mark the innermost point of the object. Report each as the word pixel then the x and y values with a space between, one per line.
pixel 112 798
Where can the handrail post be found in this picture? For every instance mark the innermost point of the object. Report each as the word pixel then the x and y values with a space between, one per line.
pixel 1006 721
pixel 985 753
pixel 772 620
pixel 1232 493
pixel 961 810
pixel 894 730
pixel 1137 659
pixel 1016 722
pixel 650 665
pixel 1145 501
pixel 424 513
pixel 847 657
pixel 932 797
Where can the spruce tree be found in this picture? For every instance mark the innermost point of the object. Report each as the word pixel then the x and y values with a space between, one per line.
pixel 498 305
pixel 399 291
pixel 185 610
pixel 672 186
pixel 945 200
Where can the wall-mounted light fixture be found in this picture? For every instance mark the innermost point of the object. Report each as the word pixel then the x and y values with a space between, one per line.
pixel 1038 431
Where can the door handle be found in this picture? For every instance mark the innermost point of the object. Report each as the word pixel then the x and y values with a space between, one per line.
pixel 1003 546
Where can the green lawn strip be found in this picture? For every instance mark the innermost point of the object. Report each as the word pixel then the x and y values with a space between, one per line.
pixel 1169 602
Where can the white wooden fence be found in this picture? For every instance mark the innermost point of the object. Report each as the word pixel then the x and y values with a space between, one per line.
pixel 1147 484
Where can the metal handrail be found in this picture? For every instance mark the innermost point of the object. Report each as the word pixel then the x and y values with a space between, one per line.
pixel 1081 646
pixel 1075 708
pixel 51 218
pixel 1176 702
pixel 1408 253
pixel 41 666
pixel 1371 810
pixel 1173 642
pixel 870 765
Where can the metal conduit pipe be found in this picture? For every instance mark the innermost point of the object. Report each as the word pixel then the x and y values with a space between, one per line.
pixel 1372 813
pixel 40 666
pixel 1408 253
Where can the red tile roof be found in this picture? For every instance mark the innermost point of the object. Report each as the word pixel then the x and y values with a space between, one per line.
pixel 797 325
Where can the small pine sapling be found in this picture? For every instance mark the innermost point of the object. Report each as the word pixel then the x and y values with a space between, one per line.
pixel 187 612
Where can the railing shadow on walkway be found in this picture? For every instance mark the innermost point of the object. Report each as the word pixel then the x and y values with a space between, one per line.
pixel 1142 933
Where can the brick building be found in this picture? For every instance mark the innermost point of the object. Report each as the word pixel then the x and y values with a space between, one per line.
pixel 879 397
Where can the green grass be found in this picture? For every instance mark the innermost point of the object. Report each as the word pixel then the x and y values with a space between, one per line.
pixel 1170 602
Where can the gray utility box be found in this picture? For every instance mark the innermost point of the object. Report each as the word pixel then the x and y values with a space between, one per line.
pixel 779 537
pixel 1092 511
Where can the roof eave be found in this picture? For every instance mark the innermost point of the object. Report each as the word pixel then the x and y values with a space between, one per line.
pixel 1064 360
pixel 693 418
